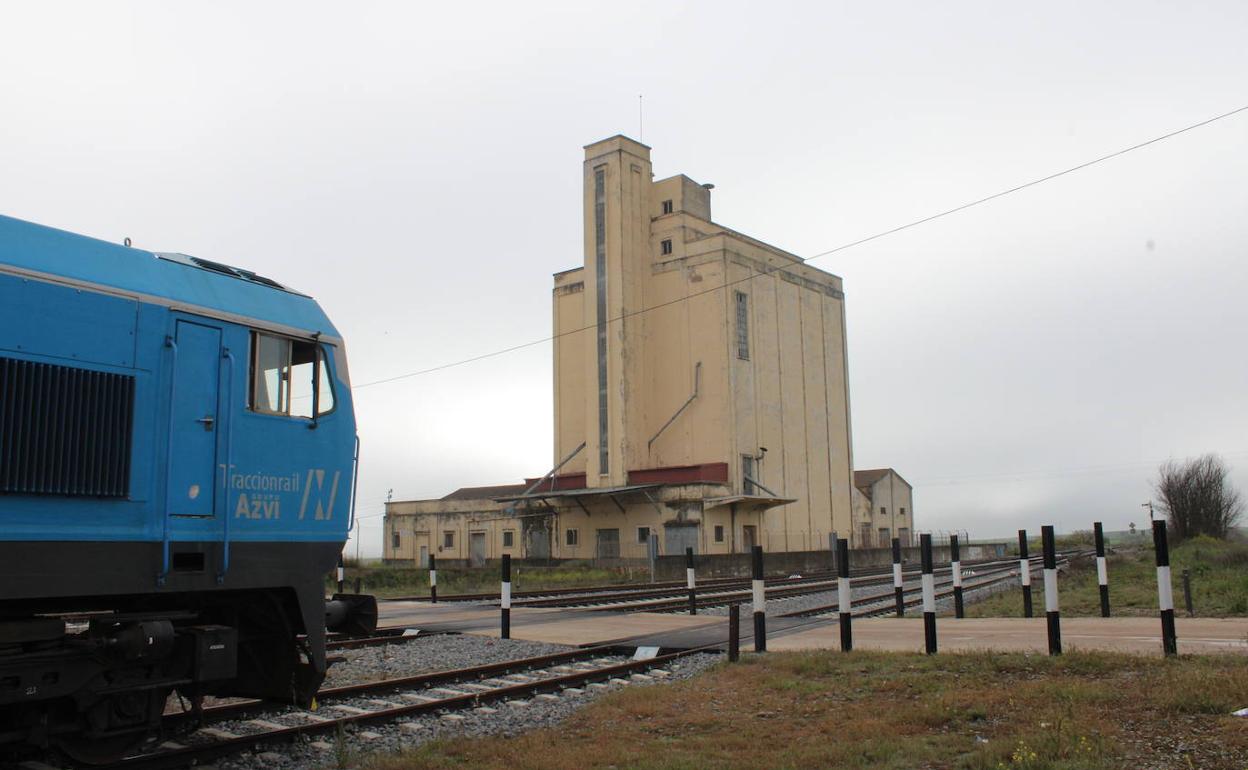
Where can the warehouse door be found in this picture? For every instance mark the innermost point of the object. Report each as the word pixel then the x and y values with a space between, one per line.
pixel 678 538
pixel 476 549
pixel 608 544
pixel 193 434
pixel 537 543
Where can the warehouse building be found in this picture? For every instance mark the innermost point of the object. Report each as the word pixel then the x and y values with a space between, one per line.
pixel 700 396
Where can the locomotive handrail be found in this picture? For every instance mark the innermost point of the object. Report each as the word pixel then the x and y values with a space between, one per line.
pixel 355 483
pixel 171 343
pixel 229 460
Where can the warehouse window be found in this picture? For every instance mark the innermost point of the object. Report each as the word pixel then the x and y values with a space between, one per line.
pixel 289 377
pixel 643 534
pixel 719 533
pixel 448 539
pixel 394 540
pixel 667 206
pixel 665 246
pixel 902 512
pixel 743 325
pixel 883 511
pixel 571 536
pixel 509 538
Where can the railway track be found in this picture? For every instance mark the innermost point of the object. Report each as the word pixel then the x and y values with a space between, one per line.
pixel 884 602
pixel 234 727
pixel 741 590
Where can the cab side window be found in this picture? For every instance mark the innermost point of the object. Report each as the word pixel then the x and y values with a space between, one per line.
pixel 289 377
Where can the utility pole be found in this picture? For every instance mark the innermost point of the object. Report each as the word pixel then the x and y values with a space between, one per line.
pixel 1149 506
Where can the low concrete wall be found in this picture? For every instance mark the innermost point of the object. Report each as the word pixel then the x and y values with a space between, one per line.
pixel 738 564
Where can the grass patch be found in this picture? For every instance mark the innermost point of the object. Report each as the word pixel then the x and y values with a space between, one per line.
pixel 387 581
pixel 1219 576
pixel 888 711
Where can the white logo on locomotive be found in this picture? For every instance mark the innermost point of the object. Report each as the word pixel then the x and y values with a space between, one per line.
pixel 260 494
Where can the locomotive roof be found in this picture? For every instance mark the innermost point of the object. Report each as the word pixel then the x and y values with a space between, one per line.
pixel 188 283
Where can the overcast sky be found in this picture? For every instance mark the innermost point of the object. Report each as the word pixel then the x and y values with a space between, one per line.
pixel 417 168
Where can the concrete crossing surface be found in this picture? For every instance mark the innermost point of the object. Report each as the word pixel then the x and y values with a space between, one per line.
pixel 581 627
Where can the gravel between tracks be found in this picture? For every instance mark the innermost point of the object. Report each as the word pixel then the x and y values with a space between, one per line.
pixel 505 719
pixel 432 653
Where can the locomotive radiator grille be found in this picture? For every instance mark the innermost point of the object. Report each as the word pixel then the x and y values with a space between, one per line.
pixel 64 430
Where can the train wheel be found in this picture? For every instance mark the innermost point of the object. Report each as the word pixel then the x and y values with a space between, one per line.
pixel 116 727
pixel 91 750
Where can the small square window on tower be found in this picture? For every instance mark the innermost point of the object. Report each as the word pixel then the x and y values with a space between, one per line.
pixel 667 207
pixel 665 246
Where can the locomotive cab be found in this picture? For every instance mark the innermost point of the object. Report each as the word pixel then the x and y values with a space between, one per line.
pixel 177 460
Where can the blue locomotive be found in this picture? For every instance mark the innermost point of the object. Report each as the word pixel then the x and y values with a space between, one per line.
pixel 177 459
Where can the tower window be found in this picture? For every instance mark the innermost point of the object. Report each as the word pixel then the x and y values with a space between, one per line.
pixel 665 246
pixel 743 325
pixel 667 207
pixel 600 271
pixel 749 469
pixel 719 533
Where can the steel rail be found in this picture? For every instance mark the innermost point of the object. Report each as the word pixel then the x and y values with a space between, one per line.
pixel 182 756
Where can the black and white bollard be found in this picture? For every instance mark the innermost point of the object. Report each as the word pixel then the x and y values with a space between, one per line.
pixel 691 581
pixel 1051 612
pixel 734 632
pixel 929 594
pixel 1165 593
pixel 433 579
pixel 760 602
pixel 506 597
pixel 897 585
pixel 342 575
pixel 844 595
pixel 1024 572
pixel 955 568
pixel 1102 574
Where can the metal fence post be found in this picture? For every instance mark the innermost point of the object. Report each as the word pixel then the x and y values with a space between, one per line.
pixel 760 602
pixel 1052 613
pixel 1165 593
pixel 955 567
pixel 897 584
pixel 506 598
pixel 844 596
pixel 1102 574
pixel 691 580
pixel 734 632
pixel 433 579
pixel 1024 572
pixel 929 594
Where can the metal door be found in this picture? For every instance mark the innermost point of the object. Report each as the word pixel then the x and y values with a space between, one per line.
pixel 677 539
pixel 537 543
pixel 423 563
pixel 193 431
pixel 749 537
pixel 608 544
pixel 476 549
